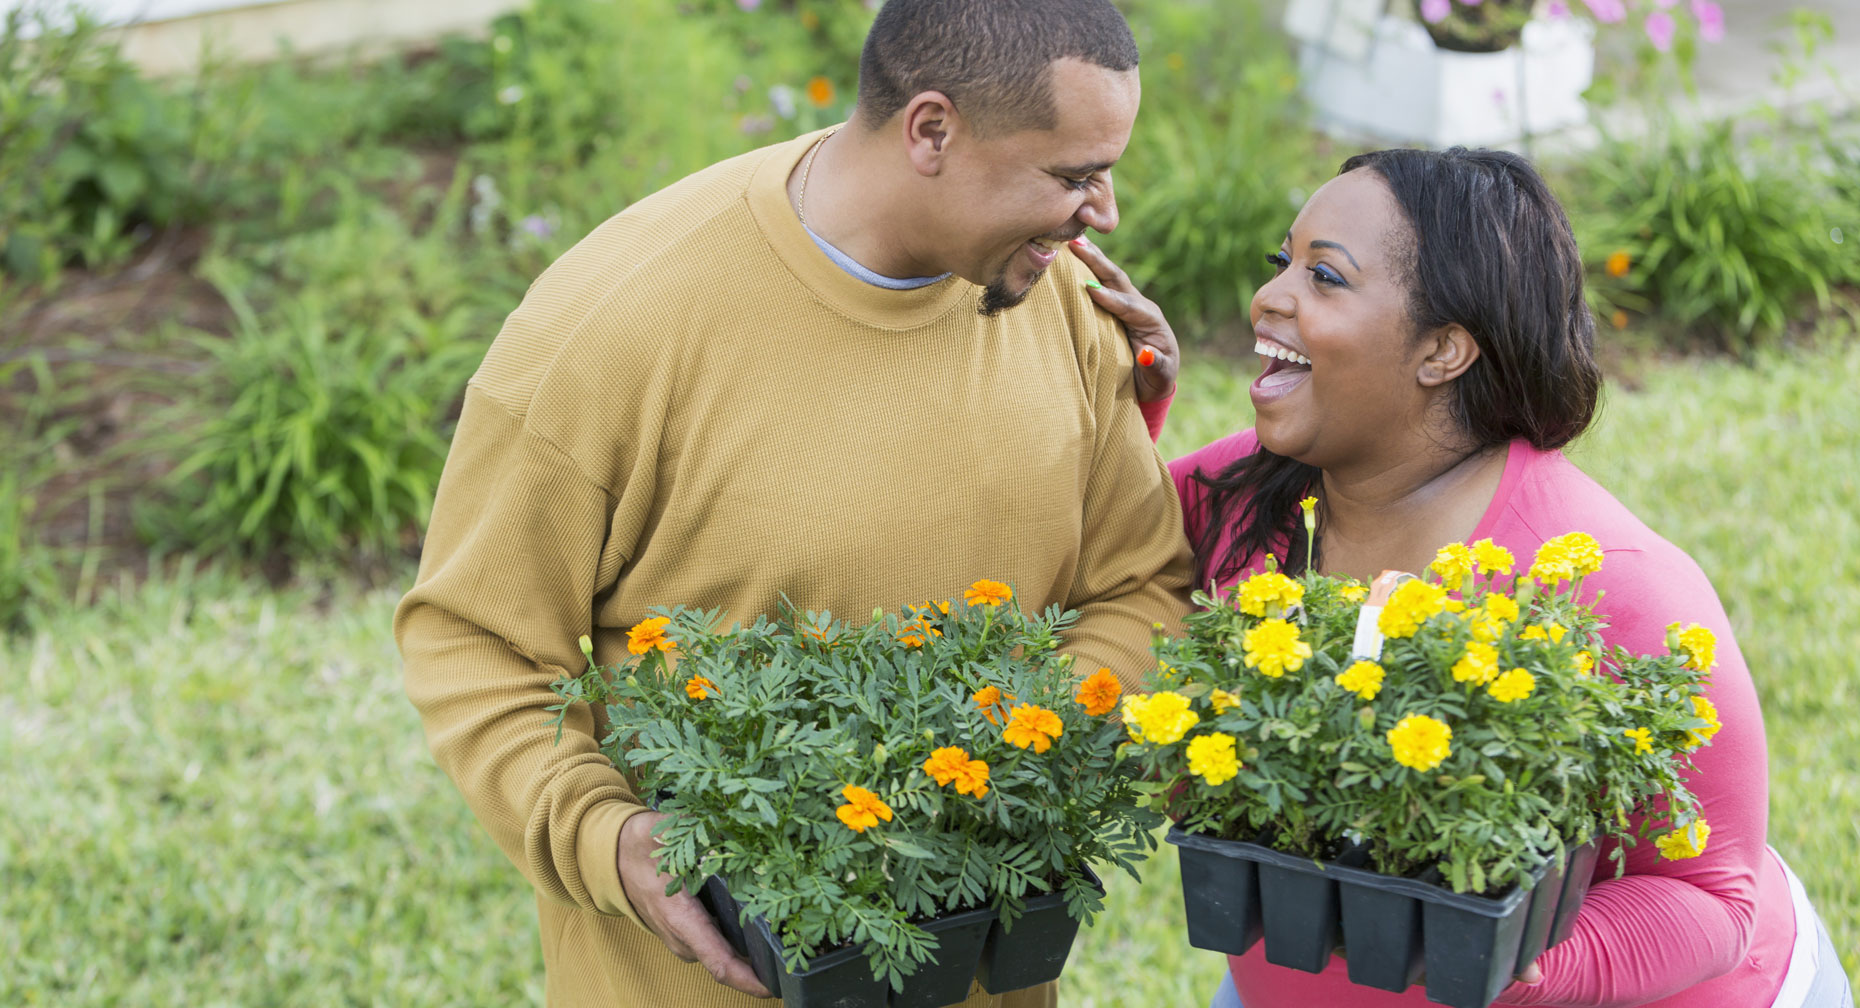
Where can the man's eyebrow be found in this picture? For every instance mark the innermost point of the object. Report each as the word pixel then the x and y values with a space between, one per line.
pixel 1085 169
pixel 1321 243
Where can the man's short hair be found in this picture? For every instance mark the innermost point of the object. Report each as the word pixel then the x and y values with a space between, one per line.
pixel 991 58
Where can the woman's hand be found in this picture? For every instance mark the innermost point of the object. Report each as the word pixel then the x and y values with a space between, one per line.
pixel 1151 339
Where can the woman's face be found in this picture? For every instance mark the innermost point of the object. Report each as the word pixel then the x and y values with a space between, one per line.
pixel 1340 383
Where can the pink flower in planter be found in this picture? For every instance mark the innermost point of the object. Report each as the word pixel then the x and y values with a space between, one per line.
pixel 1557 10
pixel 1711 20
pixel 1660 30
pixel 1607 11
pixel 1435 11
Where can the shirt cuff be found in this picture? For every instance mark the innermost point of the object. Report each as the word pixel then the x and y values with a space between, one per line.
pixel 597 850
pixel 1155 413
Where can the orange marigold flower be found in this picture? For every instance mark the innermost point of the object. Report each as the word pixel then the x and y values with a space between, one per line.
pixel 989 700
pixel 917 633
pixel 1099 692
pixel 940 608
pixel 820 92
pixel 699 688
pixel 1032 726
pixel 952 765
pixel 1619 319
pixel 986 592
pixel 1618 263
pixel 862 810
pixel 649 634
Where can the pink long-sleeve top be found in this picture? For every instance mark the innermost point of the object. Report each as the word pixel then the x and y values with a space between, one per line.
pixel 1713 931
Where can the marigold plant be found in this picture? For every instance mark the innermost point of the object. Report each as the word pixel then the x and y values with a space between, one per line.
pixel 850 781
pixel 1473 724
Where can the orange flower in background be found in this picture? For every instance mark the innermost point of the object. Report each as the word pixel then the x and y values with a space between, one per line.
pixel 931 608
pixel 1618 263
pixel 990 701
pixel 862 810
pixel 917 633
pixel 1032 726
pixel 699 688
pixel 820 92
pixel 649 634
pixel 952 765
pixel 1099 692
pixel 986 592
pixel 1619 319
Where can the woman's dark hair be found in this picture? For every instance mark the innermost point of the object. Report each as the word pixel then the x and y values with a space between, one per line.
pixel 1491 250
pixel 992 58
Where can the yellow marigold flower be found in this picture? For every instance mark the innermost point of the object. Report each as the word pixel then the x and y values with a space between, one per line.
pixel 1513 685
pixel 1354 592
pixel 648 634
pixel 1134 707
pixel 1643 739
pixel 1220 700
pixel 1309 507
pixel 1099 692
pixel 1420 742
pixel 986 592
pixel 1269 589
pixel 1161 718
pixel 698 688
pixel 1533 632
pixel 862 810
pixel 1500 607
pixel 1491 558
pixel 1677 846
pixel 1363 679
pixel 1454 563
pixel 1409 606
pixel 1566 558
pixel 1479 665
pixel 1697 643
pixel 1211 757
pixel 1273 647
pixel 1618 263
pixel 1032 726
pixel 820 92
pixel 1584 662
pixel 952 765
pixel 1705 709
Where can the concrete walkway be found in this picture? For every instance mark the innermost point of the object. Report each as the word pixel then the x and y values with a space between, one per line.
pixel 1738 73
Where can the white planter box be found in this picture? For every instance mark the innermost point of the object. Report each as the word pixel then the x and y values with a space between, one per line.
pixel 1401 88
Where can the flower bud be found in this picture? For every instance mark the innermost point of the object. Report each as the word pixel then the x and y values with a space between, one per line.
pixel 587 646
pixel 878 754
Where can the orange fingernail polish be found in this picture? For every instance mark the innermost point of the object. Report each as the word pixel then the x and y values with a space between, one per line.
pixel 1146 357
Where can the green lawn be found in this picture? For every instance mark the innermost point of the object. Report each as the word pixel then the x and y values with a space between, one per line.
pixel 217 794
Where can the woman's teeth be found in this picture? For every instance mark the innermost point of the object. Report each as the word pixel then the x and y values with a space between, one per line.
pixel 1265 349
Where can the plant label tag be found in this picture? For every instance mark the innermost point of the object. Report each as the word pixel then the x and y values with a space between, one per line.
pixel 1368 643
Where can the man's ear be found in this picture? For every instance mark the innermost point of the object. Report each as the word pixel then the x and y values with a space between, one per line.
pixel 1451 350
pixel 930 120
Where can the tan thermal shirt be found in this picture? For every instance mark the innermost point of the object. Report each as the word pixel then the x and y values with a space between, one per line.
pixel 695 405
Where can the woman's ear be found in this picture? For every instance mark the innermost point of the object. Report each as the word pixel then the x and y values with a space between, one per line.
pixel 1451 352
pixel 929 120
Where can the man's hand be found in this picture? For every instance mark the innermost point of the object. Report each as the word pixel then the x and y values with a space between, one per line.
pixel 1143 322
pixel 679 920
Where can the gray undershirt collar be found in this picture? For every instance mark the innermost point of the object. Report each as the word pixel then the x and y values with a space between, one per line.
pixel 851 266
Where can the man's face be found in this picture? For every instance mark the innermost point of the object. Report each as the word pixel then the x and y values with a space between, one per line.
pixel 1016 198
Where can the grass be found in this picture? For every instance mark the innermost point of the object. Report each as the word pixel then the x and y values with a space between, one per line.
pixel 219 796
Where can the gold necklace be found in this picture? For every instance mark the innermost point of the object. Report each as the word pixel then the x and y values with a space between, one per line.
pixel 807 168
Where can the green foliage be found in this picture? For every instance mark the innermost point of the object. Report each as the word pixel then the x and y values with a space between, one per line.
pixel 1478 740
pixel 1726 235
pixel 1219 163
pixel 29 571
pixel 329 415
pixel 991 781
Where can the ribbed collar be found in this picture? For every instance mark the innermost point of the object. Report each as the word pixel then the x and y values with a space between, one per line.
pixel 833 286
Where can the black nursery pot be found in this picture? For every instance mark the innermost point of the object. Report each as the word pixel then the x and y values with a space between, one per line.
pixel 842 978
pixel 1033 951
pixel 1576 879
pixel 1220 893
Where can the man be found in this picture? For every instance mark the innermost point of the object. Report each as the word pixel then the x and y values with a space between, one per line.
pixel 830 369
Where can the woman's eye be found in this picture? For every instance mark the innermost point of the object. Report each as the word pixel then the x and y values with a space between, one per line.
pixel 1279 260
pixel 1326 275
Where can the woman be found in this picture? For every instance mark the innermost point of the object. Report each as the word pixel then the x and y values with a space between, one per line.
pixel 1427 353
